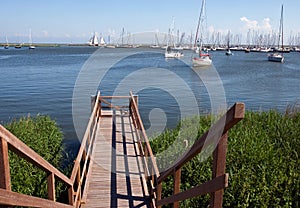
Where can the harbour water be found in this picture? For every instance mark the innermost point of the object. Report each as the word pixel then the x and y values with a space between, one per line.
pixel 41 81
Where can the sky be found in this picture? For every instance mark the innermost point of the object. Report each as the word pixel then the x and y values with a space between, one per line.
pixel 69 21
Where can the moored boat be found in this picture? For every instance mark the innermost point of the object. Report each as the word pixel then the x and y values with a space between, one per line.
pixel 203 58
pixel 278 57
pixel 171 53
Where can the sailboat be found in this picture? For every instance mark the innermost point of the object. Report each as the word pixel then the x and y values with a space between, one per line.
pixel 30 41
pixel 6 46
pixel 278 57
pixel 170 51
pixel 204 58
pixel 228 52
pixel 94 40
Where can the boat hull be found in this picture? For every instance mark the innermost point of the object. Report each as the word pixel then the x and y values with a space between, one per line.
pixel 228 53
pixel 275 58
pixel 173 55
pixel 202 61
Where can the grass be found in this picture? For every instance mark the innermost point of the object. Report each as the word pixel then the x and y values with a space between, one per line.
pixel 262 161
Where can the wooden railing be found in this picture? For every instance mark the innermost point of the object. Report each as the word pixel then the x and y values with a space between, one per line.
pixel 76 184
pixel 81 171
pixel 150 167
pixel 218 134
pixel 9 198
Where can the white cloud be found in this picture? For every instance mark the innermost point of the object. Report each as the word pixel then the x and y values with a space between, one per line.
pixel 263 26
pixel 266 25
pixel 250 24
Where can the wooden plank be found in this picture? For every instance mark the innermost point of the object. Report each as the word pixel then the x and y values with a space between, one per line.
pixel 177 181
pixel 213 185
pixel 116 178
pixel 219 165
pixel 51 186
pixel 10 198
pixel 4 166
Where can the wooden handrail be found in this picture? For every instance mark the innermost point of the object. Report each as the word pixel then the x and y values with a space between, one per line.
pixel 25 152
pixel 145 137
pixel 8 141
pixel 78 176
pixel 233 116
pixel 10 198
pixel 217 134
pixel 150 167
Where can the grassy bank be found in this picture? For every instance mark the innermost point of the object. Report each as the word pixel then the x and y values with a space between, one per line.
pixel 262 161
pixel 41 134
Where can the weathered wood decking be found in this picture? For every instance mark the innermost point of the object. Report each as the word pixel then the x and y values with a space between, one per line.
pixel 116 177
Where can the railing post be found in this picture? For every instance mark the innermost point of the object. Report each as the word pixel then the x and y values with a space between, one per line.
pixel 158 193
pixel 71 195
pixel 4 166
pixel 51 186
pixel 219 165
pixel 78 185
pixel 136 99
pixel 176 188
pixel 93 101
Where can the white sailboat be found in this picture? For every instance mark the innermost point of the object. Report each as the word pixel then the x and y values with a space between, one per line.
pixel 102 42
pixel 203 58
pixel 170 51
pixel 6 46
pixel 30 41
pixel 94 40
pixel 278 57
pixel 228 52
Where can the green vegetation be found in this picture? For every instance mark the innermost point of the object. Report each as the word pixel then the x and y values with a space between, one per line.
pixel 42 135
pixel 262 162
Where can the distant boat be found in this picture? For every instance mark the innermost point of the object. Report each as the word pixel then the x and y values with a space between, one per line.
pixel 228 52
pixel 6 46
pixel 18 46
pixel 204 58
pixel 278 57
pixel 94 40
pixel 247 50
pixel 102 42
pixel 156 43
pixel 169 51
pixel 30 41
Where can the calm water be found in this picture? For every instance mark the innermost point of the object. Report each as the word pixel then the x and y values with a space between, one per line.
pixel 42 81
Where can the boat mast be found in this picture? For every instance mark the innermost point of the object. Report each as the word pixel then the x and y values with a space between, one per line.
pixel 199 21
pixel 281 24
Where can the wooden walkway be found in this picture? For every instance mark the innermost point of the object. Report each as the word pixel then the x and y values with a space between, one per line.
pixel 116 177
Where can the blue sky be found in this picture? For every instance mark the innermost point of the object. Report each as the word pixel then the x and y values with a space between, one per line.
pixel 74 21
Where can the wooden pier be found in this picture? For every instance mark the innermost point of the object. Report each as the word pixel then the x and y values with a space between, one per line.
pixel 115 166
